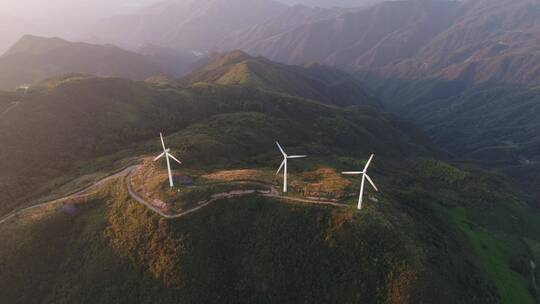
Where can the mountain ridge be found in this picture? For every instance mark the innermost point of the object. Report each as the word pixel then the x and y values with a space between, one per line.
pixel 159 24
pixel 318 82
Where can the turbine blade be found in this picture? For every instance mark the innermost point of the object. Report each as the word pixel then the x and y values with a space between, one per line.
pixel 162 141
pixel 159 156
pixel 368 162
pixel 281 166
pixel 352 173
pixel 372 183
pixel 174 158
pixel 281 149
pixel 297 156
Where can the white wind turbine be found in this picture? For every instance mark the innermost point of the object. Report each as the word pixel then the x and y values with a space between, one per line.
pixel 364 177
pixel 284 165
pixel 167 156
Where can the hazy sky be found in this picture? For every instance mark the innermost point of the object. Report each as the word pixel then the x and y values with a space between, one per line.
pixel 67 17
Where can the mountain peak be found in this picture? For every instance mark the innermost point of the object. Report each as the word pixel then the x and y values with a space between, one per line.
pixel 233 57
pixel 30 44
pixel 316 82
pixel 161 80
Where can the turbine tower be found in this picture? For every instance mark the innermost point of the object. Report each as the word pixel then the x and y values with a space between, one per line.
pixel 167 157
pixel 364 177
pixel 284 165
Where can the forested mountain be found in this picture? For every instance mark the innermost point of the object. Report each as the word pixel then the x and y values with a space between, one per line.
pixel 246 249
pixel 78 118
pixel 440 64
pixel 316 82
pixel 434 225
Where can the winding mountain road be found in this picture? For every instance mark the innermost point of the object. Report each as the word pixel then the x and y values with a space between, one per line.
pixel 128 173
pixel 14 104
pixel 79 194
pixel 273 193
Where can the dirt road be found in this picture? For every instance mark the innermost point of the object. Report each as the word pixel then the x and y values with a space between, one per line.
pixel 272 193
pixel 128 173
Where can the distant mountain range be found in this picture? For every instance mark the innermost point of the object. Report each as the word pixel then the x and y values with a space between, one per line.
pixel 33 59
pixel 285 20
pixel 479 40
pixel 332 3
pixel 192 25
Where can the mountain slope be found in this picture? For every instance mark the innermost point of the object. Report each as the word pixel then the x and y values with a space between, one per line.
pixel 496 126
pixel 290 18
pixel 489 41
pixel 71 122
pixel 243 251
pixel 33 59
pixel 441 65
pixel 432 225
pixel 473 86
pixel 316 82
pixel 377 36
pixel 475 41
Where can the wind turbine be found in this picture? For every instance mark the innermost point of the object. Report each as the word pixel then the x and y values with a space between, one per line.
pixel 284 165
pixel 364 177
pixel 167 157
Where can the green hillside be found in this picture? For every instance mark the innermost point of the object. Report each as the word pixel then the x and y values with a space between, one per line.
pixel 494 125
pixel 433 224
pixel 245 250
pixel 321 83
pixel 73 126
